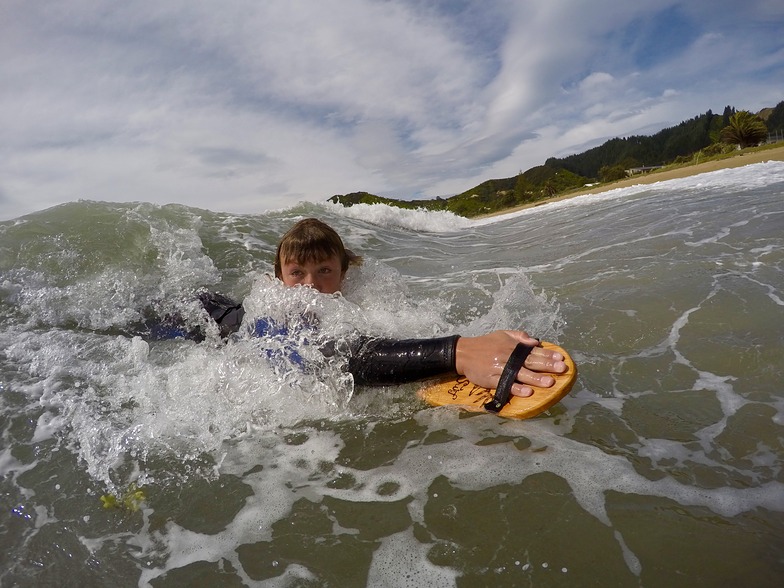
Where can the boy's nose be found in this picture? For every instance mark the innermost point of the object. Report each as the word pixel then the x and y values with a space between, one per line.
pixel 310 280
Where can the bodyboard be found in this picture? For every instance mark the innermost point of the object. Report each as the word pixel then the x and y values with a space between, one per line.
pixel 458 391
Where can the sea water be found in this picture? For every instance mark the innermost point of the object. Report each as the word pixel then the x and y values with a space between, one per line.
pixel 224 464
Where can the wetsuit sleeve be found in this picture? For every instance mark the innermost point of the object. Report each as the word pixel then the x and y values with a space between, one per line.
pixel 389 361
pixel 371 361
pixel 223 310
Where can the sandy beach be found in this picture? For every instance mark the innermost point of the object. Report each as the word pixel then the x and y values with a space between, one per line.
pixel 748 158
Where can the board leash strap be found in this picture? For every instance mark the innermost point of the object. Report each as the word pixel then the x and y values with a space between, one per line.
pixel 508 377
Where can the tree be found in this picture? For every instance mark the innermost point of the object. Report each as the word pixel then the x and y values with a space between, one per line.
pixel 745 129
pixel 775 121
pixel 523 188
pixel 611 173
pixel 728 112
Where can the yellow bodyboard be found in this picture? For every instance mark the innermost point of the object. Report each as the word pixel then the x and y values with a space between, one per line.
pixel 460 392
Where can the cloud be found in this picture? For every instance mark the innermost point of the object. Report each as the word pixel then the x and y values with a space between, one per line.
pixel 247 106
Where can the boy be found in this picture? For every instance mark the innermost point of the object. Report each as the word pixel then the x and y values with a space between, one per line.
pixel 312 254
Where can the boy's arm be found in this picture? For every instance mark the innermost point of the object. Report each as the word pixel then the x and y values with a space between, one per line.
pixel 481 359
pixel 390 361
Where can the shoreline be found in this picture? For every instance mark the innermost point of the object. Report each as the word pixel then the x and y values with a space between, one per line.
pixel 739 160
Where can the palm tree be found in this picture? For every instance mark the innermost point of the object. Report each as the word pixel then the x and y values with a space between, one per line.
pixel 745 129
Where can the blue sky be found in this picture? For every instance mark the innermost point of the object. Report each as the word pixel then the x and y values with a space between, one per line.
pixel 246 106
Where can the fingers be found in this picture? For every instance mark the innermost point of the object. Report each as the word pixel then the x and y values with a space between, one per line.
pixel 548 353
pixel 523 391
pixel 525 376
pixel 539 363
pixel 532 379
pixel 545 363
pixel 540 359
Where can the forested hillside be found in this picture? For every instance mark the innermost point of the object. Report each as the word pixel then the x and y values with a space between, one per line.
pixel 636 151
pixel 706 135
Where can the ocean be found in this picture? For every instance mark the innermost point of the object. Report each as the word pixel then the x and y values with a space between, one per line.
pixel 129 462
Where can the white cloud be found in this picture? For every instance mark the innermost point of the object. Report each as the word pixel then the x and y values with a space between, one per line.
pixel 596 81
pixel 247 105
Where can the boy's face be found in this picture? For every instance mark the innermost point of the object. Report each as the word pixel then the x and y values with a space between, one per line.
pixel 325 276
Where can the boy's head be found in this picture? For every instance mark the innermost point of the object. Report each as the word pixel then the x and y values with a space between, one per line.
pixel 311 246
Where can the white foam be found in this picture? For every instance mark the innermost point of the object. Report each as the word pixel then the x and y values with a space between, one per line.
pixel 467 465
pixel 400 562
pixel 416 220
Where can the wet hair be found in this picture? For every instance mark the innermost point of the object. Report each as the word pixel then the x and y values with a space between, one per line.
pixel 312 241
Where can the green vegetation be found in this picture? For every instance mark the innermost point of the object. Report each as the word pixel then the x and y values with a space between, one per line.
pixel 367 198
pixel 745 130
pixel 130 501
pixel 774 117
pixel 611 173
pixel 638 151
pixel 707 136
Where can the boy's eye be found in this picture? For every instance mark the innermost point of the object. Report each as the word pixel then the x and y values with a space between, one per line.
pixel 326 270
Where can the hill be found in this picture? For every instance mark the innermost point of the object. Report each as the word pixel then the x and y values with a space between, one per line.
pixel 694 139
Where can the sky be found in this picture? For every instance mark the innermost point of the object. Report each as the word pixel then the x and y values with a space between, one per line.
pixel 251 105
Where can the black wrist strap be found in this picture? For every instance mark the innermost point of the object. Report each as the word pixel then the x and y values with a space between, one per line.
pixel 508 377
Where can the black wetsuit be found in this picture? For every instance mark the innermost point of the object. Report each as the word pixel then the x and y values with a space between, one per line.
pixel 372 361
